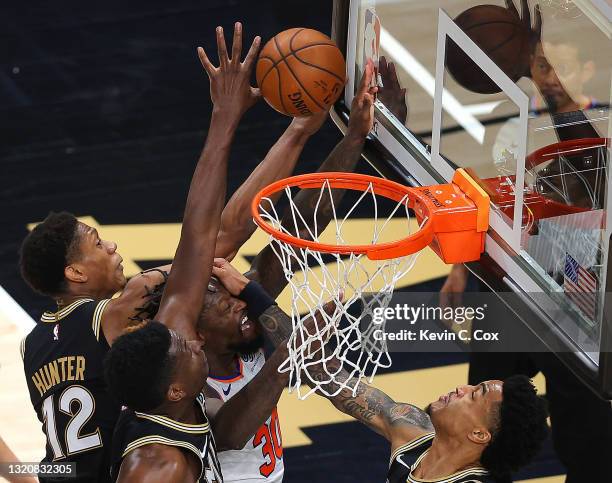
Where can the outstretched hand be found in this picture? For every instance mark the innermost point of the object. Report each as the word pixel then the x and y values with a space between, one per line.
pixel 361 119
pixel 391 93
pixel 535 31
pixel 230 83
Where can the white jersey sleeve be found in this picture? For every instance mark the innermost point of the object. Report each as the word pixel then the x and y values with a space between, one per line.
pixel 261 459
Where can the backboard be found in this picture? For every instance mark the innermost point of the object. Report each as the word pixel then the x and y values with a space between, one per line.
pixel 526 112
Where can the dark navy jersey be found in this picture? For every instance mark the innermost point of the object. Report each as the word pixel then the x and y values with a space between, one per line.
pixel 408 456
pixel 62 359
pixel 135 429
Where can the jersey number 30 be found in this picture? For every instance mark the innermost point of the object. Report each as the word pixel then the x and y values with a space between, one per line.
pixel 75 442
pixel 272 447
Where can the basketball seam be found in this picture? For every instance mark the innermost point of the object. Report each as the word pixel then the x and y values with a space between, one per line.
pixel 291 39
pixel 280 90
pixel 292 53
pixel 295 77
pixel 320 68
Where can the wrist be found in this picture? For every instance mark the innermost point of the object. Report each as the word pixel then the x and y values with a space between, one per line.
pixel 226 117
pixel 297 134
pixel 256 298
pixel 353 135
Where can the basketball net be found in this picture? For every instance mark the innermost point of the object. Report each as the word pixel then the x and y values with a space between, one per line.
pixel 343 339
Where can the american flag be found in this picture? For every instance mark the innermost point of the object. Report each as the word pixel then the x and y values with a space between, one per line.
pixel 580 286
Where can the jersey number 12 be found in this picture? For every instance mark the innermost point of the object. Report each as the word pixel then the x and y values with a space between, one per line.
pixel 75 442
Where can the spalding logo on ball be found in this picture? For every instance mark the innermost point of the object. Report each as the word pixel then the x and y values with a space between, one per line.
pixel 300 72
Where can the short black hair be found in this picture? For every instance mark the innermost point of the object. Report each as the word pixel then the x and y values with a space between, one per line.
pixel 46 252
pixel 138 367
pixel 520 427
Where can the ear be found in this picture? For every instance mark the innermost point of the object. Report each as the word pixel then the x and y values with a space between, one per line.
pixel 479 436
pixel 175 393
pixel 74 274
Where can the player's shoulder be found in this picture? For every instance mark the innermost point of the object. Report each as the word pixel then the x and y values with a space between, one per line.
pixel 142 285
pixel 137 292
pixel 76 319
pixel 134 303
pixel 155 463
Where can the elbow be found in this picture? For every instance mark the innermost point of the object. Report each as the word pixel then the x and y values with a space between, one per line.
pixel 228 438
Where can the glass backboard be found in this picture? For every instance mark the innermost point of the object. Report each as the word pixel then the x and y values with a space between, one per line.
pixel 521 102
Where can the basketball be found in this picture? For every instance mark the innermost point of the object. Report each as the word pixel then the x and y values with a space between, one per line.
pixel 300 72
pixel 501 35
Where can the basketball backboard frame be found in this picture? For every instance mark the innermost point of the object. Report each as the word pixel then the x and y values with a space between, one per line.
pixel 407 159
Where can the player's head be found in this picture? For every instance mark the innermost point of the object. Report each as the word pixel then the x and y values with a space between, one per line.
pixel 224 323
pixel 505 421
pixel 153 366
pixel 62 254
pixel 561 69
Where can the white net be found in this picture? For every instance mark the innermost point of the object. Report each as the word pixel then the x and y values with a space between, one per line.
pixel 345 345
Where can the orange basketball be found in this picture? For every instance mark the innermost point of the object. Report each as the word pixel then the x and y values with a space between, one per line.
pixel 300 71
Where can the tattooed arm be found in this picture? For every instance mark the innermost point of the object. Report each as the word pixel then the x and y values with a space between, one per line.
pixel 266 268
pixel 399 423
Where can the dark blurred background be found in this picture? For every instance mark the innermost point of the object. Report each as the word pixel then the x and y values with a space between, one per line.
pixel 104 109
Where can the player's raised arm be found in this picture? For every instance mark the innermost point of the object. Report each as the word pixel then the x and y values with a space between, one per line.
pixel 231 94
pixel 236 220
pixel 266 267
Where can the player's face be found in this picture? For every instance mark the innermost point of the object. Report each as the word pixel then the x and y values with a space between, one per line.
pixel 99 260
pixel 191 368
pixel 224 323
pixel 558 73
pixel 465 408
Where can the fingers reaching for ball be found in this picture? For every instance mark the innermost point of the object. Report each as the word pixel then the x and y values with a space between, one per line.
pixel 230 88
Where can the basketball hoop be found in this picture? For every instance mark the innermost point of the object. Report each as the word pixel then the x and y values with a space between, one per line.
pixel 539 200
pixel 452 219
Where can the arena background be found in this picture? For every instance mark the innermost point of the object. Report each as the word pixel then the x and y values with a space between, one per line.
pixel 104 109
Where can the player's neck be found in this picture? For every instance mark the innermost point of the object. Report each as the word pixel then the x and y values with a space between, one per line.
pixel 445 457
pixel 184 411
pixel 81 291
pixel 582 102
pixel 67 299
pixel 221 365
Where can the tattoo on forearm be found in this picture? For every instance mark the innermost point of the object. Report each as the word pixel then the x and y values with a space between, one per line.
pixel 277 324
pixel 371 406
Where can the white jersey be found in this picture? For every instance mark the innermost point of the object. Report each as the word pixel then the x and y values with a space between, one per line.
pixel 261 459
